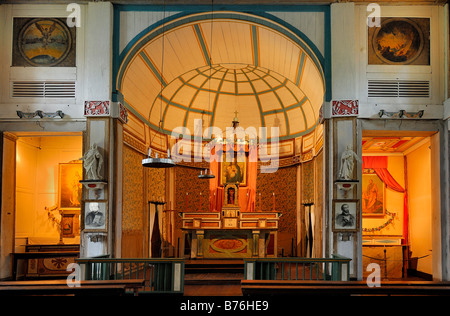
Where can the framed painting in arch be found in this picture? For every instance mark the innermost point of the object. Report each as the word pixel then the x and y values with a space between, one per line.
pixel 231 197
pixel 345 215
pixel 373 199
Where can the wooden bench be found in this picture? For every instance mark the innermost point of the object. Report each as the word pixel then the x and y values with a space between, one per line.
pixel 285 287
pixel 60 287
pixel 16 256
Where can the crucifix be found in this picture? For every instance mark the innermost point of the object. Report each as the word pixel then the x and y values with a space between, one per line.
pixel 235 120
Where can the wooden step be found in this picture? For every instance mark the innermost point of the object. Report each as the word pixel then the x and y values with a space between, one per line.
pixel 214 266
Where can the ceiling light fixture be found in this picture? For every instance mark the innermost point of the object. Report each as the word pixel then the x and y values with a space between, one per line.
pixel 159 162
pixel 209 175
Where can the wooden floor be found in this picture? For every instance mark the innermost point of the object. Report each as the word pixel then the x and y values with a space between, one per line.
pixel 222 278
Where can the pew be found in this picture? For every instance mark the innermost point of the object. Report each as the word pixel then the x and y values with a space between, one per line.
pixel 347 288
pixel 16 256
pixel 60 287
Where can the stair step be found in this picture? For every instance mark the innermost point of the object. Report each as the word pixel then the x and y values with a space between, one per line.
pixel 212 281
pixel 214 266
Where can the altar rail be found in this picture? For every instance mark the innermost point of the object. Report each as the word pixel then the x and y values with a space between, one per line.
pixel 334 269
pixel 161 275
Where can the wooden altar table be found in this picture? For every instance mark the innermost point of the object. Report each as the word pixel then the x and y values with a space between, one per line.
pixel 231 233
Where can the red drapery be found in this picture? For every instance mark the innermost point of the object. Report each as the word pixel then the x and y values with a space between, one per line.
pixel 379 164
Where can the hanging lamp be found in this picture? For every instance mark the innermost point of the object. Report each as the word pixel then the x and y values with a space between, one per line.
pixel 206 175
pixel 159 162
pixel 209 175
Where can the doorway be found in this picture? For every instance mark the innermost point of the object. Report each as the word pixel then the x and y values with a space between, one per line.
pixel 397 203
pixel 48 198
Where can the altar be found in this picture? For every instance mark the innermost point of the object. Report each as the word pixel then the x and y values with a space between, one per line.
pixel 230 233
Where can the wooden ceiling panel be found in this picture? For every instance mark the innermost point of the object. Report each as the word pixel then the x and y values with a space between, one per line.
pixel 389 144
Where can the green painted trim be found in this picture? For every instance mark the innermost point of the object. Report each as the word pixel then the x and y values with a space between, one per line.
pixel 153 68
pixel 202 44
pixel 255 45
pixel 300 69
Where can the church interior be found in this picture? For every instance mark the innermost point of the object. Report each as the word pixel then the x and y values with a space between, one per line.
pixel 211 148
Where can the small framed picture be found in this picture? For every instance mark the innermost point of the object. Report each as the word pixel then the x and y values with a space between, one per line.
pixel 345 215
pixel 95 216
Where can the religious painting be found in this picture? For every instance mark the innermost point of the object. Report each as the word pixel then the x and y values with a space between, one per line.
pixel 70 188
pixel 233 172
pixel 231 197
pixel 70 224
pixel 345 215
pixel 43 42
pixel 373 194
pixel 95 214
pixel 400 41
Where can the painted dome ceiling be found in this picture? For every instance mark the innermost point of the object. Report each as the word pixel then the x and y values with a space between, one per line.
pixel 212 68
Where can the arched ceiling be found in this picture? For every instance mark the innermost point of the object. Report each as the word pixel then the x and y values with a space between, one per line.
pixel 208 68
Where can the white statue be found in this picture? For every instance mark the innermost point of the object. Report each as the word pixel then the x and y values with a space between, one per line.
pixel 93 162
pixel 347 163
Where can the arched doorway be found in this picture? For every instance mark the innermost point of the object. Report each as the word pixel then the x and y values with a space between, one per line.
pixel 214 67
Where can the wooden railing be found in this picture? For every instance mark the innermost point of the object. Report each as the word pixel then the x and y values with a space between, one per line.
pixel 161 275
pixel 335 268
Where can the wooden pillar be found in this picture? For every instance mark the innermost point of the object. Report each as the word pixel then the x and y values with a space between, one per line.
pixel 255 250
pixel 104 129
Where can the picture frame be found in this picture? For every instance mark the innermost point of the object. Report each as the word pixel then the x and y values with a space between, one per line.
pixel 233 172
pixel 345 215
pixel 69 186
pixel 43 42
pixel 95 216
pixel 231 196
pixel 399 41
pixel 373 200
pixel 70 224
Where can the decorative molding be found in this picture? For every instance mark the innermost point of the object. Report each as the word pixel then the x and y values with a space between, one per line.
pixel 134 143
pixel 97 108
pixel 123 113
pixel 344 108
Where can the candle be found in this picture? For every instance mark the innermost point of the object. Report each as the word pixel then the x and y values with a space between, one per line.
pixel 273 201
pixel 259 201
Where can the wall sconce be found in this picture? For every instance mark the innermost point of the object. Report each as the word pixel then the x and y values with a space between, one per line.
pixel 401 114
pixel 40 114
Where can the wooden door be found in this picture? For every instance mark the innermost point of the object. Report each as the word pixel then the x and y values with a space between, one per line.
pixel 8 199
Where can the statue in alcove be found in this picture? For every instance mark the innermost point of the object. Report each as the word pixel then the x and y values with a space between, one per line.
pixel 347 163
pixel 93 162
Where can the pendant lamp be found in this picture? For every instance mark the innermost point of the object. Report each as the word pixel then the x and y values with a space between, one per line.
pixel 159 162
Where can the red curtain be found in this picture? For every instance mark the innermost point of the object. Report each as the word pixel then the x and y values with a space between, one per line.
pixel 379 164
